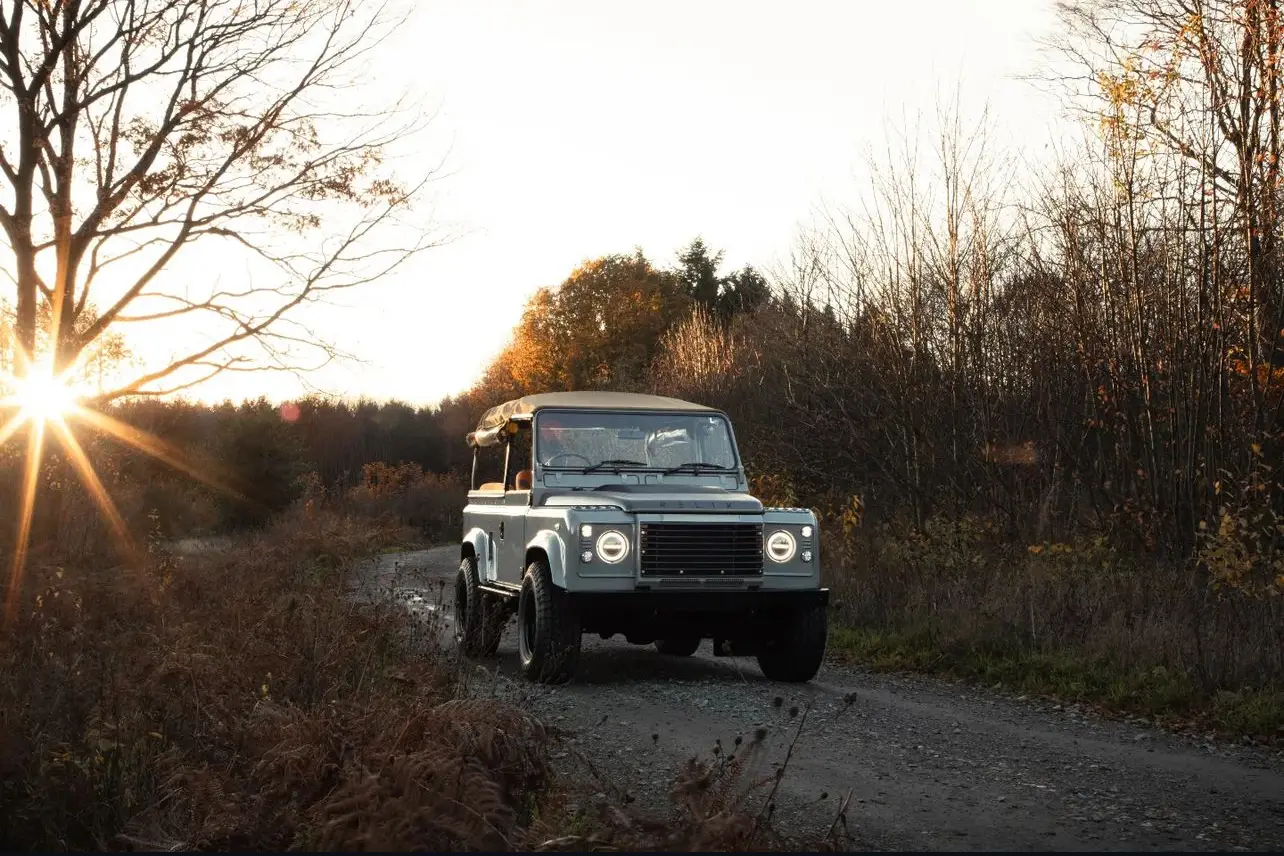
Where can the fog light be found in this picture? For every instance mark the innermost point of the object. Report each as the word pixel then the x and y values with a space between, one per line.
pixel 586 531
pixel 806 555
pixel 806 532
pixel 586 556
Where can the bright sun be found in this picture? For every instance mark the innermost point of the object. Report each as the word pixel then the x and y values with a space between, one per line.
pixel 46 404
pixel 41 396
pixel 43 401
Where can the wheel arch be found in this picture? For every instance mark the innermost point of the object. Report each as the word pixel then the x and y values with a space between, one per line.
pixel 548 545
pixel 475 546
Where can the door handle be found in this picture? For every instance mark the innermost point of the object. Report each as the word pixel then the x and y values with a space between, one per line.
pixel 501 529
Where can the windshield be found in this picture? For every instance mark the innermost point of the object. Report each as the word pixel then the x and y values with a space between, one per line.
pixel 657 441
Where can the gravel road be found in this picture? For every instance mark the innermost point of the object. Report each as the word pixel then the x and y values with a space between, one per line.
pixel 930 765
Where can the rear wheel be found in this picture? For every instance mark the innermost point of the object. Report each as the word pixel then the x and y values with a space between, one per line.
pixel 796 651
pixel 478 618
pixel 548 630
pixel 681 647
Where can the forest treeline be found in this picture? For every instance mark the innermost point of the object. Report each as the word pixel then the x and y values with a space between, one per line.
pixel 1039 412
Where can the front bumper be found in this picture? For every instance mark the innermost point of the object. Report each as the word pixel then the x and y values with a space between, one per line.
pixel 731 601
pixel 746 616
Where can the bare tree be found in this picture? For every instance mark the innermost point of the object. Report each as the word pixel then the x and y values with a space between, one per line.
pixel 1200 80
pixel 147 138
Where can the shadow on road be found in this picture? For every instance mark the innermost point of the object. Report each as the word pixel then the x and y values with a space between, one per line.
pixel 608 662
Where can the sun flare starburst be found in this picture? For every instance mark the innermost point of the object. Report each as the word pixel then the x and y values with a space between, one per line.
pixel 43 395
pixel 46 402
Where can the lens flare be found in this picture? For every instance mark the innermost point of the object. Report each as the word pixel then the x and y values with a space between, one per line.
pixel 42 396
pixel 46 402
pixel 30 479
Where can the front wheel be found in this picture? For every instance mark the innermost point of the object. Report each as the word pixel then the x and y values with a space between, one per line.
pixel 795 653
pixel 548 630
pixel 677 647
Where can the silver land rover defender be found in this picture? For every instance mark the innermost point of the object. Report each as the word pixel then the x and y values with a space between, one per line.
pixel 606 513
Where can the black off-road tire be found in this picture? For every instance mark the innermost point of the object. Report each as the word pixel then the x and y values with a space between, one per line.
pixel 548 630
pixel 678 647
pixel 477 620
pixel 795 653
pixel 494 617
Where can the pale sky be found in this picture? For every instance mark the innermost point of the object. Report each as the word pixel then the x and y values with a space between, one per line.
pixel 580 128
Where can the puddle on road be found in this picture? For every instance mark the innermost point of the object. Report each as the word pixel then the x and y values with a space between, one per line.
pixel 423 603
pixel 419 606
pixel 393 580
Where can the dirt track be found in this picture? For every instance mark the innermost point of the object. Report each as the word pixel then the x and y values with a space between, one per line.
pixel 929 764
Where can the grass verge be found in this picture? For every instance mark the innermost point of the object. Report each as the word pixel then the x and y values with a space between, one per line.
pixel 1162 694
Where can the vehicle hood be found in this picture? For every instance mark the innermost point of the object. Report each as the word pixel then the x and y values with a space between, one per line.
pixel 684 499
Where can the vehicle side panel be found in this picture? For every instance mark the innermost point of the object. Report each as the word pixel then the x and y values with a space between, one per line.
pixel 483 513
pixel 512 537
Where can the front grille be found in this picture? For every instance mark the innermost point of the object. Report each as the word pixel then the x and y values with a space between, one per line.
pixel 694 582
pixel 701 549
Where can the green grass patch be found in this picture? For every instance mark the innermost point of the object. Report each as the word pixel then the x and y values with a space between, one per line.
pixel 1161 693
pixel 1255 712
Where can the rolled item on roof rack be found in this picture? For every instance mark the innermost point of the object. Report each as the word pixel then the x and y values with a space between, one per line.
pixel 486 437
pixel 490 428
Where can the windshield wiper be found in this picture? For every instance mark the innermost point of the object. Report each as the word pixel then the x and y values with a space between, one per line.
pixel 612 462
pixel 697 467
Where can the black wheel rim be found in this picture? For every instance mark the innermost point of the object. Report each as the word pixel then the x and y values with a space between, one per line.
pixel 526 618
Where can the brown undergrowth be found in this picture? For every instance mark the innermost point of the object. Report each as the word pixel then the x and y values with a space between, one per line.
pixel 1078 620
pixel 724 801
pixel 239 700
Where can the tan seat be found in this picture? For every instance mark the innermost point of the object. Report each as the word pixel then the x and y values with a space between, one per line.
pixel 523 480
pixel 492 487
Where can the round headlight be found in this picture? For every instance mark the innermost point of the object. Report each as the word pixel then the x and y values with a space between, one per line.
pixel 612 546
pixel 781 546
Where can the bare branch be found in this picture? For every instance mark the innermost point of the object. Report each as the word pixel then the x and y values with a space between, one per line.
pixel 163 126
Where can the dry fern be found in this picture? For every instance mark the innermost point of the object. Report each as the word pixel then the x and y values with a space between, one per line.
pixel 454 776
pixel 246 704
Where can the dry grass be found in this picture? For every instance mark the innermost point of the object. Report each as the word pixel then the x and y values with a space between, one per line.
pixel 1076 619
pixel 723 802
pixel 429 503
pixel 714 809
pixel 240 701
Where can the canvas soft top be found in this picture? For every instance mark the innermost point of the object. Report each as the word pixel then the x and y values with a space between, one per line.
pixel 493 420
